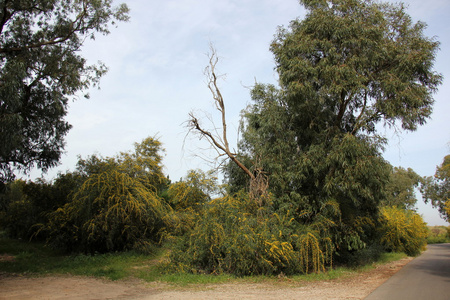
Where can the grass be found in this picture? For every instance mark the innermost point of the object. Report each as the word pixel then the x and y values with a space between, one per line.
pixel 34 259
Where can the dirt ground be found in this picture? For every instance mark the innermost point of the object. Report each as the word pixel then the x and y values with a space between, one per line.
pixel 71 287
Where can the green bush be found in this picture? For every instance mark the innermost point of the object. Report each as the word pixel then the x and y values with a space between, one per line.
pixel 187 198
pixel 18 213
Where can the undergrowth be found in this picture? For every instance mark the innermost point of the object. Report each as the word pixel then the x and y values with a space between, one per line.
pixel 35 259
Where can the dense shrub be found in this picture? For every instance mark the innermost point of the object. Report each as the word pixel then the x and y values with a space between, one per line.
pixel 111 211
pixel 238 237
pixel 16 213
pixel 402 230
pixel 369 254
pixel 187 197
pixel 23 204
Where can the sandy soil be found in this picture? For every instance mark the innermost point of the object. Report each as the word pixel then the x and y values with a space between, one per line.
pixel 71 287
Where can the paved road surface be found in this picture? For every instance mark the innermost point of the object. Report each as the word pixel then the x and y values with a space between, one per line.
pixel 425 277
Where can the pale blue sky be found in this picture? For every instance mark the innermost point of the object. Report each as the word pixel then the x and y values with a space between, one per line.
pixel 155 79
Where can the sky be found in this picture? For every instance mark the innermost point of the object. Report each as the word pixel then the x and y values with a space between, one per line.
pixel 156 78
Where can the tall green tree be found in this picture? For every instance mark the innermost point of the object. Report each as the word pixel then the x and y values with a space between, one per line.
pixel 351 64
pixel 437 189
pixel 347 67
pixel 40 70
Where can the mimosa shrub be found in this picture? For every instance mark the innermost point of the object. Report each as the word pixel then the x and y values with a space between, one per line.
pixel 402 230
pixel 110 212
pixel 236 236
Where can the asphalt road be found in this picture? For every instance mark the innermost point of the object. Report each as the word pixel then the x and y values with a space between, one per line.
pixel 425 277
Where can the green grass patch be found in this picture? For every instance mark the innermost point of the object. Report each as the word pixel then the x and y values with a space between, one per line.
pixel 36 259
pixel 331 273
pixel 390 256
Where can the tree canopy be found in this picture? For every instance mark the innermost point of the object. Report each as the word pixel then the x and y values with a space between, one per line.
pixel 352 64
pixel 40 70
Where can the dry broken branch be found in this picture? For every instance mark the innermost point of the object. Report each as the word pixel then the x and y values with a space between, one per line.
pixel 219 143
pixel 258 180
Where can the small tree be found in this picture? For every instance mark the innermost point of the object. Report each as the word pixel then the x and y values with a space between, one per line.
pixel 194 191
pixel 188 197
pixel 400 188
pixel 110 212
pixel 437 190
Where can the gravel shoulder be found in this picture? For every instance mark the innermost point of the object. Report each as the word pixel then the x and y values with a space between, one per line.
pixel 72 287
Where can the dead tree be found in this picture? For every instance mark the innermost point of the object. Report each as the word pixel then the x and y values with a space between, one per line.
pixel 258 179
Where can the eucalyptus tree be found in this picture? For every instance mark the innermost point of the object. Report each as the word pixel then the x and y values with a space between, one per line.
pixel 40 70
pixel 351 64
pixel 346 68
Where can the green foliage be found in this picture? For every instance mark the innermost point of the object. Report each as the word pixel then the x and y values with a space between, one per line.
pixel 25 204
pixel 144 163
pixel 400 188
pixel 361 257
pixel 438 234
pixel 40 70
pixel 36 259
pixel 236 236
pixel 437 190
pixel 352 64
pixel 17 214
pixel 107 204
pixel 346 171
pixel 402 230
pixel 194 191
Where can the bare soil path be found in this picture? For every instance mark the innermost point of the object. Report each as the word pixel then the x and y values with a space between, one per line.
pixel 71 287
